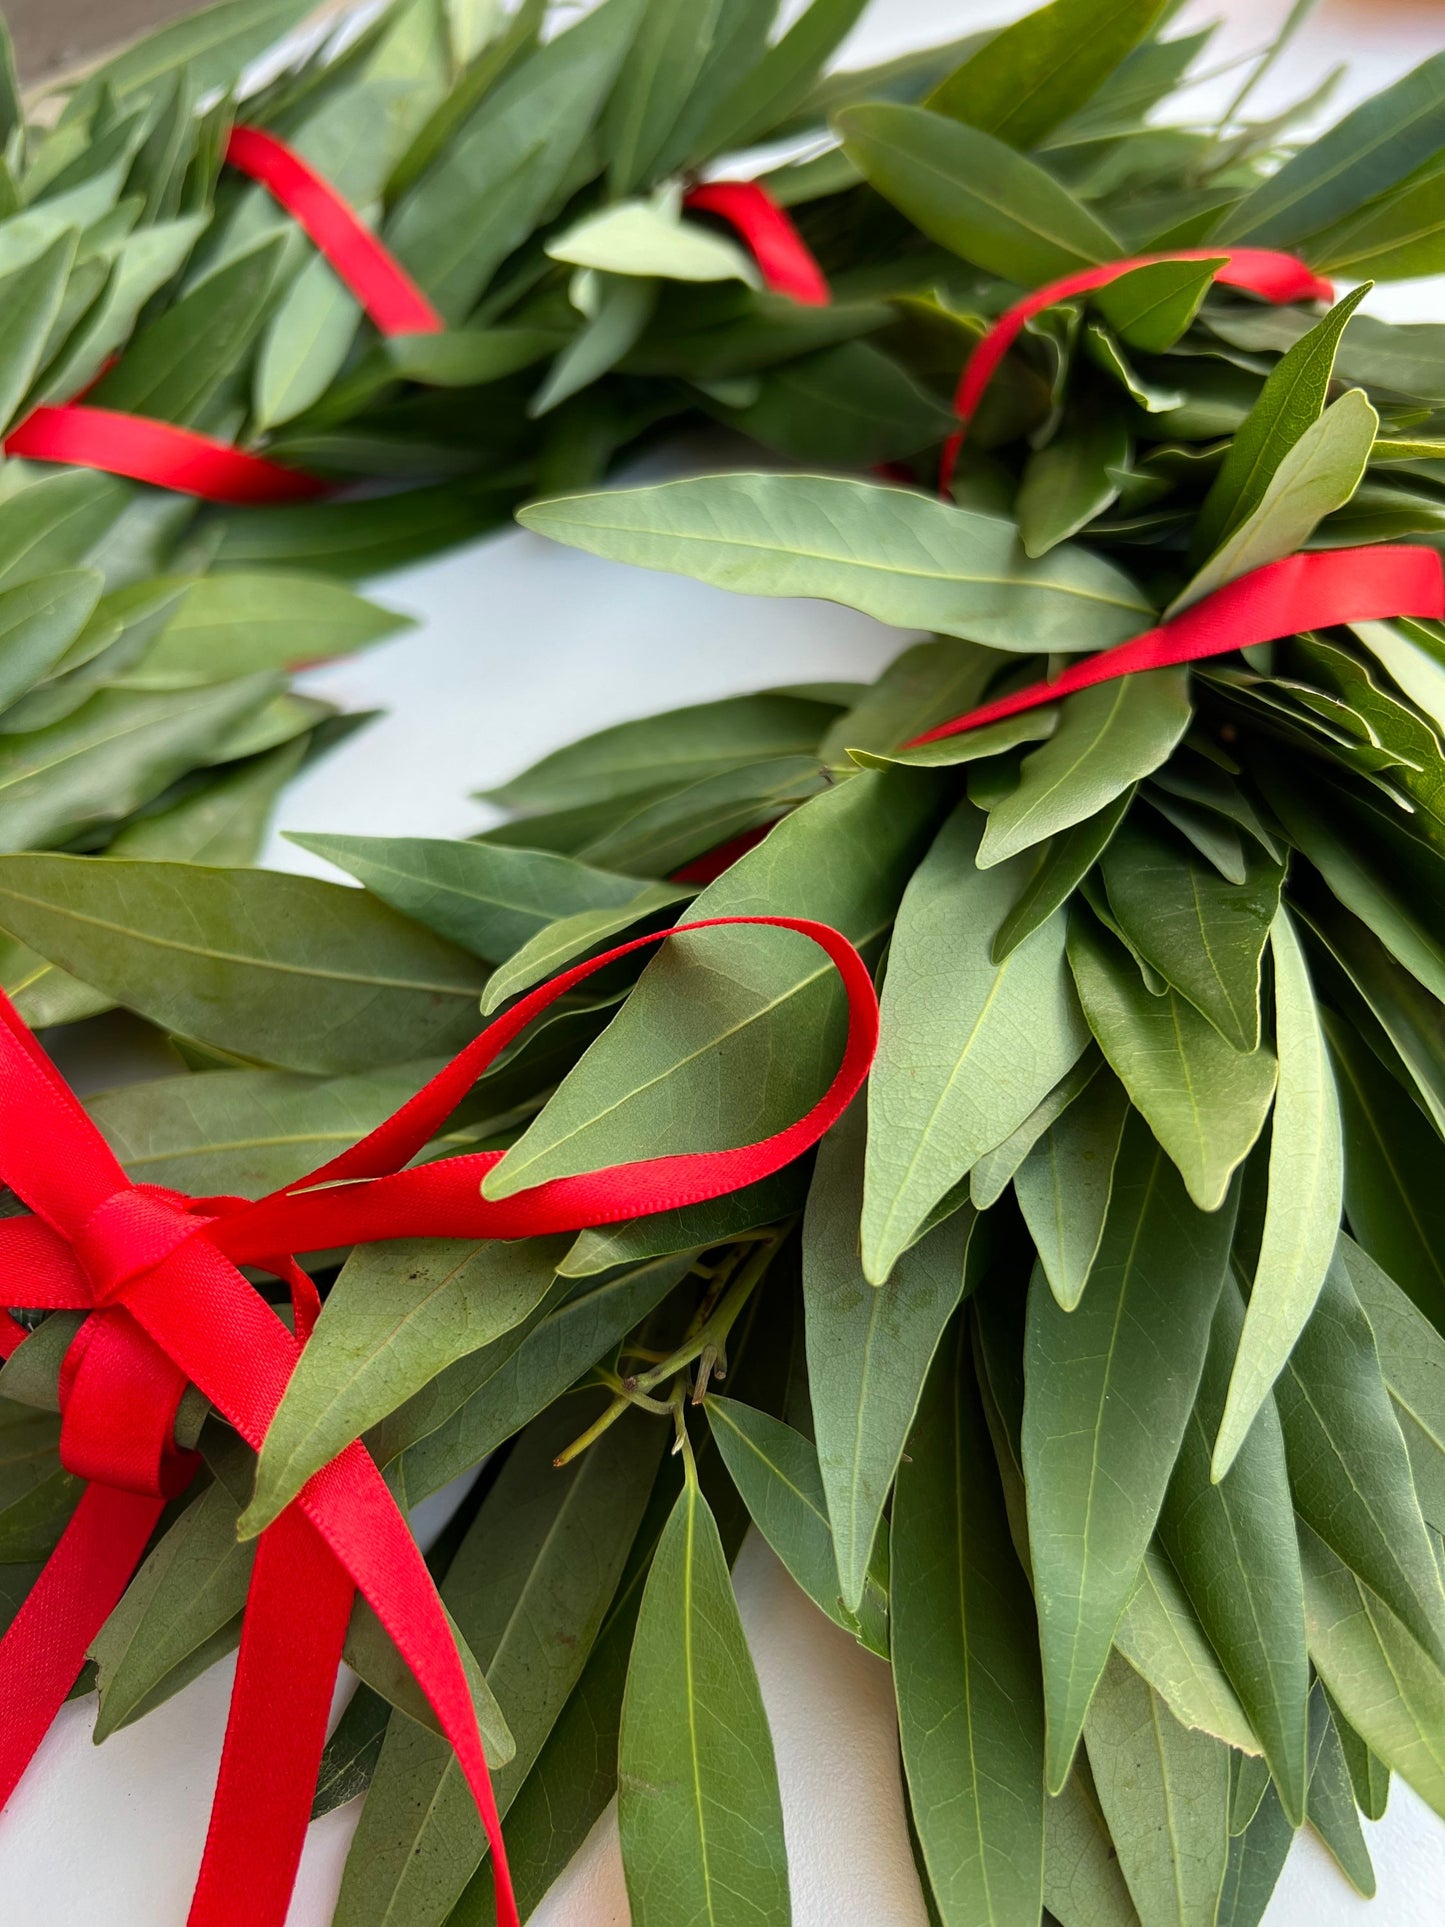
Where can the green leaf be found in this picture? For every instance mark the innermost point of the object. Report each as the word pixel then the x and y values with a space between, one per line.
pixel 1120 1374
pixel 994 1172
pixel 893 553
pixel 1291 401
pixel 1070 480
pixel 666 60
pixel 1205 1101
pixel 705 739
pixel 1062 866
pixel 1233 1546
pixel 1256 1861
pixel 501 172
pixel 529 1588
pixel 307 975
pixel 1040 70
pixel 1369 1776
pixel 214 46
pixel 869 1347
pixel 732 1033
pixel 646 238
pixel 967 1048
pixel 242 1132
pixel 481 1401
pixel 116 752
pixel 1394 1172
pixel 1396 236
pixel 487 898
pixel 1165 1795
pixel 850 406
pixel 1412 1357
pixel 965 1663
pixel 39 622
pixel 1388 1687
pixel 1149 308
pixel 698 1806
pixel 571 937
pixel 1316 476
pixel 176 367
pixel 305 344
pixel 1348 1465
pixel 1377 144
pixel 1204 936
pixel 1332 1800
pixel 974 194
pixel 1161 1637
pixel 149 259
pixel 351 1753
pixel 30 300
pixel 775 1469
pixel 1108 737
pixel 1306 1188
pixel 235 625
pixel 1083 1886
pixel 398 1314
pixel 1065 1183
pixel 55 523
pixel 37 1494
pixel 624 306
pixel 223 821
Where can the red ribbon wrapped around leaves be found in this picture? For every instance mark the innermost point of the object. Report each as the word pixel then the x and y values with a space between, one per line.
pixel 158 1274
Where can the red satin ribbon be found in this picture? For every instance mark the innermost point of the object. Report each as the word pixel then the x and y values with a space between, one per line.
pixel 1262 271
pixel 784 259
pixel 157 1271
pixel 188 463
pixel 387 293
pixel 1281 599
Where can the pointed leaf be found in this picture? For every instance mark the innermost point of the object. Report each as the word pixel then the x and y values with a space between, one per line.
pixel 1065 1183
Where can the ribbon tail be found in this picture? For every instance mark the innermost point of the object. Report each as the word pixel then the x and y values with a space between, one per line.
pixel 45 1646
pixel 296 1617
pixel 349 1503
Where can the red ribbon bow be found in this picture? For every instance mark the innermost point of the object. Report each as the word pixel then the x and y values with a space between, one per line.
pixel 157 1272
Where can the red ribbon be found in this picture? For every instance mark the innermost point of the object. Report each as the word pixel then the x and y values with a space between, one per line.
pixel 157 1272
pixel 784 258
pixel 79 436
pixel 1281 599
pixel 1262 271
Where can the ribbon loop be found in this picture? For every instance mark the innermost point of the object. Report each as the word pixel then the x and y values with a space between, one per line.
pixel 119 1394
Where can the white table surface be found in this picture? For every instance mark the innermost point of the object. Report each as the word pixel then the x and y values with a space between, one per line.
pixel 521 647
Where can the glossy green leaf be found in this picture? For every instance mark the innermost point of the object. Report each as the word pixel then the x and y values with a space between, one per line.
pixel 869 1347
pixel 1070 480
pixel 1065 1183
pixel 967 1048
pixel 782 78
pixel 214 45
pixel 1377 144
pixel 56 523
pixel 1233 1546
pixel 732 1033
pixel 1204 936
pixel 1040 70
pixel 1165 1794
pixel 1306 1189
pixel 1290 402
pixel 572 937
pixel 698 1806
pixel 1317 475
pixel 305 345
pixel 975 194
pixel 1349 1469
pixel 965 1663
pixel 776 1471
pixel 1149 308
pixel 1205 1101
pixel 893 553
pixel 1108 737
pixel 308 975
pixel 398 1314
pixel 1120 1372
pixel 529 1587
pixel 1396 236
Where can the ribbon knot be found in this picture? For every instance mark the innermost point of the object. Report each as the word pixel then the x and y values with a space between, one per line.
pixel 131 1232
pixel 159 1275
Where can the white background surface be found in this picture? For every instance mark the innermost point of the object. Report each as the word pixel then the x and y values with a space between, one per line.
pixel 521 648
